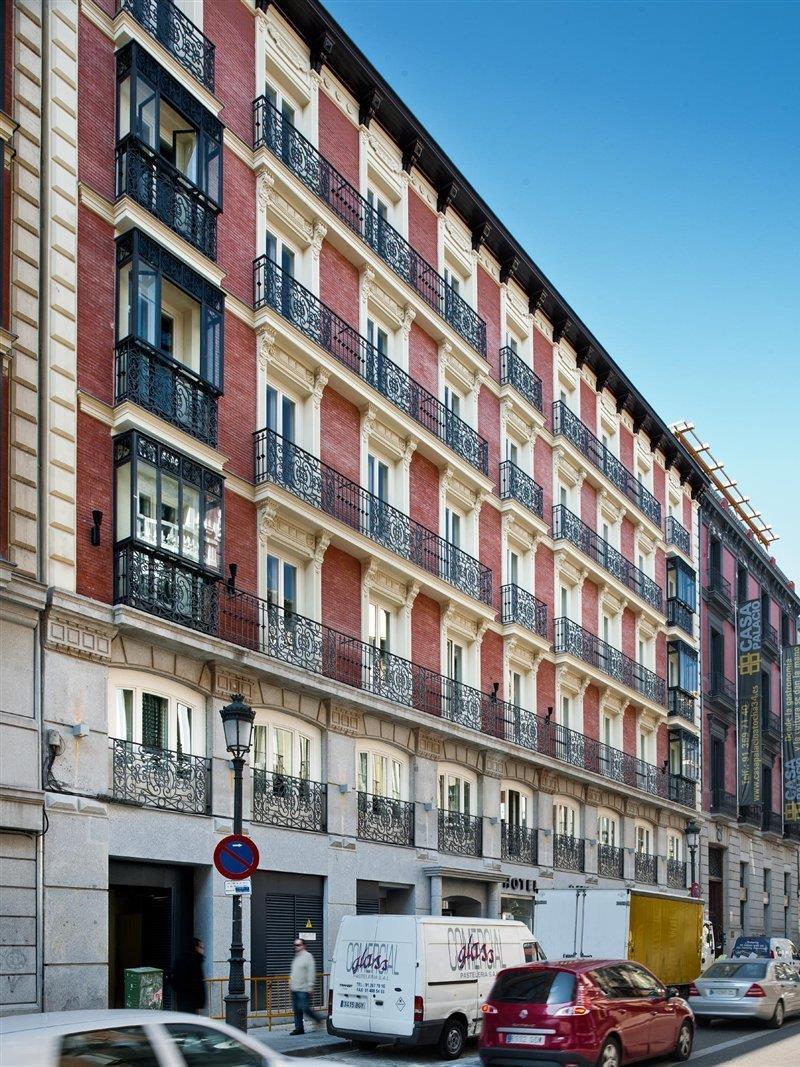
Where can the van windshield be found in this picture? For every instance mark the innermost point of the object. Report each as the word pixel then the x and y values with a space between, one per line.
pixel 534 987
pixel 749 970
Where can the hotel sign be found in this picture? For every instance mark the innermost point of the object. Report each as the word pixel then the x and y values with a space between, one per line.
pixel 791 734
pixel 748 649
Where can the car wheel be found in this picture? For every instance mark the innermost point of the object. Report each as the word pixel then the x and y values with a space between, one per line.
pixel 451 1040
pixel 683 1048
pixel 609 1054
pixel 778 1016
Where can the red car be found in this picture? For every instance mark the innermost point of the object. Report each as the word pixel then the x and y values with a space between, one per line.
pixel 582 1013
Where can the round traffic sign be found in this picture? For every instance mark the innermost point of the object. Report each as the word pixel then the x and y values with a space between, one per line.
pixel 236 857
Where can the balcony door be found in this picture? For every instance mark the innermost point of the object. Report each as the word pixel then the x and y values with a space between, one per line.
pixel 717 769
pixel 280 275
pixel 281 122
pixel 378 517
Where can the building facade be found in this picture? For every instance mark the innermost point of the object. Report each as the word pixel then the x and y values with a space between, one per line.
pixel 290 415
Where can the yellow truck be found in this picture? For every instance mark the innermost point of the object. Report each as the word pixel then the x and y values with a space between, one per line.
pixel 664 933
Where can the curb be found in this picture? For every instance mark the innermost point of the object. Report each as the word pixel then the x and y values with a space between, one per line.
pixel 318 1050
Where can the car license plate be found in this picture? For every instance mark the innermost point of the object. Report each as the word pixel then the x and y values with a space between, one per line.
pixel 524 1039
pixel 353 1005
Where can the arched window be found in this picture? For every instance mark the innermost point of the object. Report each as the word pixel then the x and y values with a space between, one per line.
pixel 458 790
pixel 566 817
pixel 382 771
pixel 157 713
pixel 285 745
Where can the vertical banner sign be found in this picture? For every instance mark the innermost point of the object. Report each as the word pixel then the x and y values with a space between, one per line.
pixel 748 649
pixel 791 735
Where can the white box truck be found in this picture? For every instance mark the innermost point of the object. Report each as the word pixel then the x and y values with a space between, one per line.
pixel 663 933
pixel 419 980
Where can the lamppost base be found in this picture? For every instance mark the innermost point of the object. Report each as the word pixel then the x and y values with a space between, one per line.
pixel 236 1010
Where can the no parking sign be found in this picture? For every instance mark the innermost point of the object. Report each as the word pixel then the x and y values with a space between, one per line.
pixel 236 857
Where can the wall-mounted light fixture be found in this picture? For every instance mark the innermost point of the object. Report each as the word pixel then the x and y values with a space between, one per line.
pixel 97 518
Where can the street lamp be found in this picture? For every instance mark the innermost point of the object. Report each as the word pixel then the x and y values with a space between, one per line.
pixel 692 834
pixel 237 722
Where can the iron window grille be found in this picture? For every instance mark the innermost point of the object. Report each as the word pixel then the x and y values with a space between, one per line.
pixel 610 861
pixel 576 641
pixel 283 800
pixel 518 843
pixel 523 608
pixel 569 853
pixel 515 371
pixel 459 834
pixel 515 484
pixel 158 778
pixel 646 867
pixel 677 534
pixel 164 21
pixel 385 819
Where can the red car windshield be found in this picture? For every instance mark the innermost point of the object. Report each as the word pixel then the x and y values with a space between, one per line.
pixel 534 987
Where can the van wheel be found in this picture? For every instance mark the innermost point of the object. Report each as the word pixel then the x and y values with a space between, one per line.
pixel 776 1022
pixel 609 1054
pixel 683 1049
pixel 451 1039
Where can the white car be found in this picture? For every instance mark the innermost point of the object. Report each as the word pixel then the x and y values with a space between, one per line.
pixel 128 1039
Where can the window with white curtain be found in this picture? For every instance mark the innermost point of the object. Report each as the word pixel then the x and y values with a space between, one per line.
pixel 456 794
pixel 157 714
pixel 381 774
pixel 566 818
pixel 285 746
pixel 608 832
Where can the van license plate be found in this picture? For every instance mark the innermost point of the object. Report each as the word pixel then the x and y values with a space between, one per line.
pixel 353 1005
pixel 524 1039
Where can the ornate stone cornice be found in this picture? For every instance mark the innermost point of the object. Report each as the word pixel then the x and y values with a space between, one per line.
pixel 343 720
pixel 75 636
pixel 429 746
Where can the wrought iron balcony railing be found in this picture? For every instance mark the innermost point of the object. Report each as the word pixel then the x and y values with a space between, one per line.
pixel 153 182
pixel 723 803
pixel 567 423
pixel 677 534
pixel 167 587
pixel 610 861
pixel 676 873
pixel 157 778
pixel 568 852
pixel 282 800
pixel 568 526
pixel 166 388
pixel 573 639
pixel 752 814
pixel 769 639
pixel 771 725
pixel 718 585
pixel 270 128
pixel 682 790
pixel 460 835
pixel 515 371
pixel 385 819
pixel 679 615
pixel 791 831
pixel 721 690
pixel 519 843
pixel 645 868
pixel 286 464
pixel 515 484
pixel 681 703
pixel 523 608
pixel 274 288
pixel 178 34
pixel 772 822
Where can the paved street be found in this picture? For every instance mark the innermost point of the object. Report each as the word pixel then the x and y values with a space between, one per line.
pixel 723 1043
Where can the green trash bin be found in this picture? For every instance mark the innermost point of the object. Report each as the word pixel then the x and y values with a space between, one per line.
pixel 144 988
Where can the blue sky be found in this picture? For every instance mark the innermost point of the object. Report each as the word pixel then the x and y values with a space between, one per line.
pixel 647 156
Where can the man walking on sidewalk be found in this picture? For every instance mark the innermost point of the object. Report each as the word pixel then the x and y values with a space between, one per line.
pixel 302 978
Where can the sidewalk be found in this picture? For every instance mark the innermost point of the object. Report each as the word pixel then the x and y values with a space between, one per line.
pixel 311 1043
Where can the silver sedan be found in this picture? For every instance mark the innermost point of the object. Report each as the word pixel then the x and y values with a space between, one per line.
pixel 768 990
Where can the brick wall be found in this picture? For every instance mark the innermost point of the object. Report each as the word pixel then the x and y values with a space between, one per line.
pixel 491 547
pixel 545 687
pixel 489 310
pixel 338 140
pixel 591 712
pixel 341 592
pixel 629 732
pixel 234 37
pixel 95 564
pixel 626 448
pixel 424 492
pixel 96 109
pixel 489 427
pixel 423 360
pixel 544 584
pixel 241 540
pixel 588 400
pixel 543 365
pixel 659 487
pixel 338 284
pixel 340 437
pixel 422 229
pixel 236 228
pixel 543 474
pixel 96 299
pixel 589 505
pixel 238 406
pixel 589 616
pixel 491 662
pixel 688 521
pixel 626 538
pixel 629 633
pixel 426 633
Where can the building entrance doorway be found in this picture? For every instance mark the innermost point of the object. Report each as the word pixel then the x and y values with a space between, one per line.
pixel 462 907
pixel 716 911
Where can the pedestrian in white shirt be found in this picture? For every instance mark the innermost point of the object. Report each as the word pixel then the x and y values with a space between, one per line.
pixel 302 979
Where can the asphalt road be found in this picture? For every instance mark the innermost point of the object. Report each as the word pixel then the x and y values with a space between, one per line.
pixel 733 1044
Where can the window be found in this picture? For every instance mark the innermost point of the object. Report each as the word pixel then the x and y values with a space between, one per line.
pixel 681 582
pixel 682 667
pixel 565 717
pixel 281 414
pixel 128 1045
pixel 453 280
pixel 452 527
pixel 202 1046
pixel 516 689
pixel 378 478
pixel 607 830
pixel 165 305
pixel 452 401
pixel 566 819
pixel 157 714
pixel 741 583
pixel 283 746
pixel 455 794
pixel 378 338
pixel 512 567
pixel 167 501
pixel 455 661
pixel 380 628
pixel 643 839
pixel 514 807
pixel 381 775
pixel 675 847
pixel 285 107
pixel 281 253
pixel 161 115
pixel 282 585
pixel 512 452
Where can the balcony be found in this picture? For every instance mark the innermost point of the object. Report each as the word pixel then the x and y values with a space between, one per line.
pixel 772 823
pixel 723 803
pixel 157 778
pixel 385 819
pixel 166 388
pixel 567 423
pixel 721 691
pixel 524 609
pixel 272 287
pixel 165 586
pixel 770 644
pixel 568 852
pixel 569 527
pixel 679 615
pixel 518 844
pixel 515 371
pixel 678 535
pixel 752 814
pixel 460 835
pixel 164 21
pixel 718 592
pixel 645 868
pixel 791 831
pixel 296 803
pixel 682 790
pixel 515 484
pixel 681 704
pixel 676 874
pixel 272 130
pixel 610 861
pixel 574 640
pixel 172 198
pixel 771 726
pixel 308 478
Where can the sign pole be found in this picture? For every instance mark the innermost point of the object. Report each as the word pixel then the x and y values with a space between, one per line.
pixel 236 999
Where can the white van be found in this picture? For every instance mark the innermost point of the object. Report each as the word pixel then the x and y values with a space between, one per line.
pixel 419 980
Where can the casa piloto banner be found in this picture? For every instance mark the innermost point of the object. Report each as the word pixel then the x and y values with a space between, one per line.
pixel 748 654
pixel 791 734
